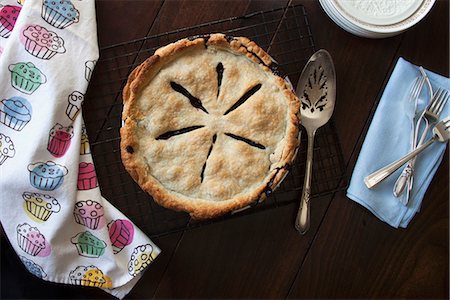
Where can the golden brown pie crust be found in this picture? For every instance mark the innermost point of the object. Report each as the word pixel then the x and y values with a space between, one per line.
pixel 209 125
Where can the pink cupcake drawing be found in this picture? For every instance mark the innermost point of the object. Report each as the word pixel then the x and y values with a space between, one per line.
pixel 42 43
pixel 31 240
pixel 87 179
pixel 121 234
pixel 59 139
pixel 8 18
pixel 89 213
pixel 73 107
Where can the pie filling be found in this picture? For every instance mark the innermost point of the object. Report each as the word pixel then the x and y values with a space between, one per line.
pixel 195 102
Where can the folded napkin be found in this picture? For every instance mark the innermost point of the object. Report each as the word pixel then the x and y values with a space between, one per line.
pixel 387 140
pixel 51 207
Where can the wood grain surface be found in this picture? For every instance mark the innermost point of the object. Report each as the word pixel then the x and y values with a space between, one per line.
pixel 348 252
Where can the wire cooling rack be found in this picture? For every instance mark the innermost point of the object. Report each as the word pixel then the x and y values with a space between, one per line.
pixel 285 34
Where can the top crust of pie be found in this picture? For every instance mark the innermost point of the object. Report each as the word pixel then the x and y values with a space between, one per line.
pixel 209 127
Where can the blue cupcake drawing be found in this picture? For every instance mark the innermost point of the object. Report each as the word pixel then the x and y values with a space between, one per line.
pixel 15 112
pixel 33 268
pixel 47 176
pixel 59 13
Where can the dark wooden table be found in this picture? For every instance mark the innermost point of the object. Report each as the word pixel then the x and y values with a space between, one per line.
pixel 348 253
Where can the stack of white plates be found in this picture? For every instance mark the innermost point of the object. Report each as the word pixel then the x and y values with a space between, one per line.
pixel 376 18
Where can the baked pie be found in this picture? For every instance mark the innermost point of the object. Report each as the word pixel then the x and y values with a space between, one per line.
pixel 209 125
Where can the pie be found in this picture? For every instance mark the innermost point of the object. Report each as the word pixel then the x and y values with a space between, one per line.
pixel 209 125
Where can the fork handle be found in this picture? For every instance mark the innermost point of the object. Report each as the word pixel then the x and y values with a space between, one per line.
pixel 378 176
pixel 405 178
pixel 402 180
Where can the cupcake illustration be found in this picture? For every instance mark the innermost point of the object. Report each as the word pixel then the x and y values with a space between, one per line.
pixel 87 179
pixel 140 259
pixel 89 276
pixel 88 245
pixel 73 107
pixel 121 234
pixel 84 147
pixel 47 176
pixel 89 68
pixel 89 213
pixel 42 43
pixel 32 267
pixel 15 112
pixel 59 13
pixel 6 148
pixel 40 205
pixel 8 18
pixel 25 77
pixel 30 239
pixel 59 139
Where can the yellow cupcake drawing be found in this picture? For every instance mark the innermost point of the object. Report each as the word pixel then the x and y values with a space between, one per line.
pixel 141 258
pixel 40 207
pixel 84 146
pixel 90 276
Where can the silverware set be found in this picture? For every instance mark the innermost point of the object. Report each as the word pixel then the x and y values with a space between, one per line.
pixel 428 119
pixel 316 89
pixel 441 133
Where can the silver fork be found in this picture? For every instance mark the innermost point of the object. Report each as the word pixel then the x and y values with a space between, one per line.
pixel 433 111
pixel 430 116
pixel 441 133
pixel 411 110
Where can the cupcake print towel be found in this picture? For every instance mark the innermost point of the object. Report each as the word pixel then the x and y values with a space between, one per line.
pixel 51 207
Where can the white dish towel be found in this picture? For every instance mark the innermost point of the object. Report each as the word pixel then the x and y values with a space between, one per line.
pixel 51 207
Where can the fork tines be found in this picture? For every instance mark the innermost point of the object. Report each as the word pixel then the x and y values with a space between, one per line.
pixel 441 98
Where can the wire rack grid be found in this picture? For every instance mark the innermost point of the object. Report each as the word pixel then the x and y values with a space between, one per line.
pixel 284 33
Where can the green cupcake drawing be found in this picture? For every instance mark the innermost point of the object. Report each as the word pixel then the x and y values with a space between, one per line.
pixel 25 77
pixel 88 245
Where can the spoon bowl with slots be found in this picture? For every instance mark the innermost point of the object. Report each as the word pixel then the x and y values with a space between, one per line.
pixel 316 90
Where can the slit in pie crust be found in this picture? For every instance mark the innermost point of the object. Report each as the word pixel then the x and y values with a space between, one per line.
pixel 210 126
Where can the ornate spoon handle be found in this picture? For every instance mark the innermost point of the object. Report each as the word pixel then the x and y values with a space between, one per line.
pixel 303 215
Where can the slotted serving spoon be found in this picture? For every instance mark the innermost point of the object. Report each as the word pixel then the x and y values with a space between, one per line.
pixel 316 90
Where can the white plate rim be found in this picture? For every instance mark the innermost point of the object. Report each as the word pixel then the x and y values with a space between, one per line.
pixel 398 15
pixel 348 26
pixel 418 15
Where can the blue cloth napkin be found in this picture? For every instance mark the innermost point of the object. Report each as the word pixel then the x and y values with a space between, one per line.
pixel 387 140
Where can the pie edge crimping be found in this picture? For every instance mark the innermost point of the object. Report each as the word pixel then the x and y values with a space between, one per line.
pixel 201 208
